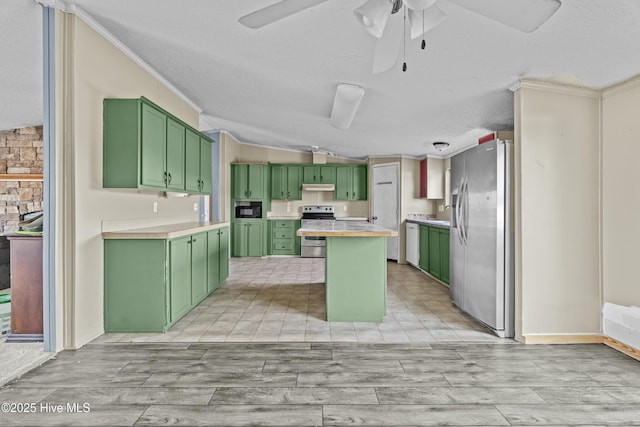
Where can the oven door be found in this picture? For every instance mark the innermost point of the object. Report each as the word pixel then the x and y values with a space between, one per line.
pixel 312 247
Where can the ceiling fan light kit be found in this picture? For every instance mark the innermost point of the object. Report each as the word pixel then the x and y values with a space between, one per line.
pixel 373 16
pixel 423 21
pixel 345 105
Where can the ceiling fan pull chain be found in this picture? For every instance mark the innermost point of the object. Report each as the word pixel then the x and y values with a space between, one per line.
pixel 424 44
pixel 404 39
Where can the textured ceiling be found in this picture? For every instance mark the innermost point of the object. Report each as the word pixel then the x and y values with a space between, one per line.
pixel 275 85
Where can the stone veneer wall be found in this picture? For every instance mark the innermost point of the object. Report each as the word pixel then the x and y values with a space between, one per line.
pixel 21 152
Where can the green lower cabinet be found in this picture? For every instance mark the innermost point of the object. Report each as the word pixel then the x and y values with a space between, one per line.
pixel 199 279
pixel 434 252
pixel 282 237
pixel 217 258
pixel 150 284
pixel 444 255
pixel 424 247
pixel 180 277
pixel 248 239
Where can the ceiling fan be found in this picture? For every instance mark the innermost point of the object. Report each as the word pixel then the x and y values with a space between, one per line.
pixel 423 15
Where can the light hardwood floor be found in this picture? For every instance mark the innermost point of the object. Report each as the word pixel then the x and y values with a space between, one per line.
pixel 332 384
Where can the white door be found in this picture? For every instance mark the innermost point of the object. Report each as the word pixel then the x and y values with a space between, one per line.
pixel 386 207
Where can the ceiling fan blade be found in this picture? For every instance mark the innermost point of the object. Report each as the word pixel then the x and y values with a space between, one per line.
pixel 421 22
pixel 276 11
pixel 388 46
pixel 523 15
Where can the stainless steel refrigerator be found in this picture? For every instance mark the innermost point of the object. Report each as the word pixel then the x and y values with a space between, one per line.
pixel 482 235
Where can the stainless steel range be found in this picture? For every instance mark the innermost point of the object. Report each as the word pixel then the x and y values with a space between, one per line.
pixel 314 247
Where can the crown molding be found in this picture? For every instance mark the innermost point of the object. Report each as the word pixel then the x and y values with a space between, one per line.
pixel 72 8
pixel 547 86
pixel 626 85
pixel 272 147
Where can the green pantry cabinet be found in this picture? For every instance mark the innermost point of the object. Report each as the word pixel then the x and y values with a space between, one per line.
pixel 147 148
pixel 282 237
pixel 434 251
pixel 151 283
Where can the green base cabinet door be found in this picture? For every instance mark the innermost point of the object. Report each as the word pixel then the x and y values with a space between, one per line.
pixel 224 254
pixel 248 239
pixel 444 255
pixel 136 295
pixel 217 258
pixel 434 252
pixel 180 278
pixel 199 279
pixel 424 247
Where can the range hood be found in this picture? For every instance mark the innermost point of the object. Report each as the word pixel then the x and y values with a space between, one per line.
pixel 318 187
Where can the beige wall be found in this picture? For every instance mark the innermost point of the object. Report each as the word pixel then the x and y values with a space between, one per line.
pixel 620 201
pixel 557 149
pixel 93 70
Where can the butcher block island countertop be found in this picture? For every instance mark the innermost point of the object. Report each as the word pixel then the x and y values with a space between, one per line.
pixel 355 269
pixel 169 231
pixel 345 229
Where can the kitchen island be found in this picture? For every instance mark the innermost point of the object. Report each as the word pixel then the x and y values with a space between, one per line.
pixel 355 269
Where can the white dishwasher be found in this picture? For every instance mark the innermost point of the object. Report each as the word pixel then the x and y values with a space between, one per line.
pixel 413 244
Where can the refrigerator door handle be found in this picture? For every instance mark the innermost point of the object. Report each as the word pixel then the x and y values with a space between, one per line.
pixel 458 207
pixel 464 206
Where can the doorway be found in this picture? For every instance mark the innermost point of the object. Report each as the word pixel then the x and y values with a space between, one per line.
pixel 386 203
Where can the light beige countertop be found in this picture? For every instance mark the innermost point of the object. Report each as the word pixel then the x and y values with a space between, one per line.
pixel 169 231
pixel 345 228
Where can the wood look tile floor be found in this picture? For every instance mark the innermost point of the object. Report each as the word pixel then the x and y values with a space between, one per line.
pixel 329 384
pixel 282 299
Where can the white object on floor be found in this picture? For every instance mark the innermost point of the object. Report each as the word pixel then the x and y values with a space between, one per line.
pixel 622 323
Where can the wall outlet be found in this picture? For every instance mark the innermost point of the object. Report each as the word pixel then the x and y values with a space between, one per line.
pixel 195 206
pixel 288 206
pixel 345 208
pixel 441 208
pixel 155 207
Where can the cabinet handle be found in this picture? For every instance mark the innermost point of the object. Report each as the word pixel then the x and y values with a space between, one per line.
pixel 249 193
pixel 164 177
pixel 321 178
pixel 314 177
pixel 347 194
pixel 194 240
pixel 169 175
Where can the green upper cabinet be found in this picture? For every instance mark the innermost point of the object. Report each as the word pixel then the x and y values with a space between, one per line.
pixel 153 140
pixel 146 147
pixel 175 154
pixel 198 163
pixel 248 181
pixel 351 182
pixel 286 182
pixel 319 174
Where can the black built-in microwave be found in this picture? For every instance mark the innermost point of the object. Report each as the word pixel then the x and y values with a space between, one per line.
pixel 248 209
